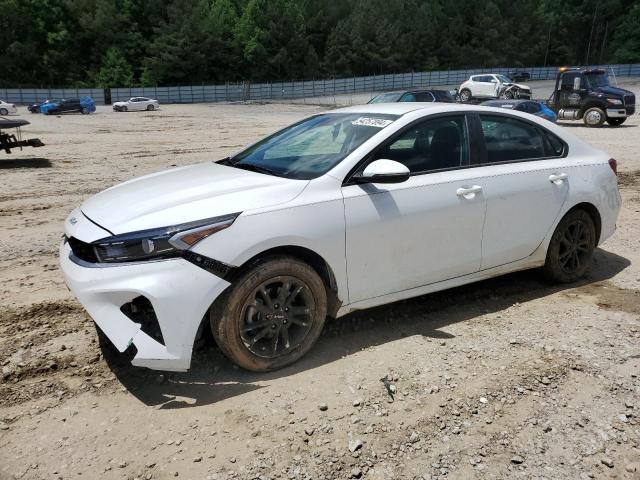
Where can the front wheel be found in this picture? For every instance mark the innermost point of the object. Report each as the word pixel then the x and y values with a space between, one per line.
pixel 271 315
pixel 594 117
pixel 123 109
pixel 615 122
pixel 4 111
pixel 465 96
pixel 507 95
pixel 571 248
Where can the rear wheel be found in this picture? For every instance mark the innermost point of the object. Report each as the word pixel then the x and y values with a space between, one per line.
pixel 151 108
pixel 465 95
pixel 594 117
pixel 571 248
pixel 85 111
pixel 271 315
pixel 614 122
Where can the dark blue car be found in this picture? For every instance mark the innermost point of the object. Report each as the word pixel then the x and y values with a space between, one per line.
pixel 533 107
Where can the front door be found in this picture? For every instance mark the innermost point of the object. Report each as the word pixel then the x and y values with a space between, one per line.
pixel 427 229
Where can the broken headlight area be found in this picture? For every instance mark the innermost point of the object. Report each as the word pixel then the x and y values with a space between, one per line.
pixel 139 310
pixel 165 242
pixel 152 244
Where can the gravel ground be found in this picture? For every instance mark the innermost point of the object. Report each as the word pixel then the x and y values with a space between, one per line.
pixel 507 378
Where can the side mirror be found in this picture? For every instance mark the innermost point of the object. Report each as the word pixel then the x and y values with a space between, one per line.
pixel 576 83
pixel 383 171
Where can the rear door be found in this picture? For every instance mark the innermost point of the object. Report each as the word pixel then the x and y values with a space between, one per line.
pixel 526 184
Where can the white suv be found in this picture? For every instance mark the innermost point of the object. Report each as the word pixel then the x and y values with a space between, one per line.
pixel 492 86
pixel 342 211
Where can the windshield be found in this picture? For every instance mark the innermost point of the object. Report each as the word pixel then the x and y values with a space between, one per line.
pixel 310 148
pixel 504 79
pixel 596 80
pixel 386 97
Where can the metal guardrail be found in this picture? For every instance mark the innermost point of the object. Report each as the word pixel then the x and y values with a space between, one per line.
pixel 247 91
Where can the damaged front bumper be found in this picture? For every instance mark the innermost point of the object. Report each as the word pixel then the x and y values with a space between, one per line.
pixel 179 292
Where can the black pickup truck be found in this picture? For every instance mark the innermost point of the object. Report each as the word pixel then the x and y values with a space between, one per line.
pixel 586 94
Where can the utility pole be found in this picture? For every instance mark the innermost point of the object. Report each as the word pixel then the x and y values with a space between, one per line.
pixel 593 24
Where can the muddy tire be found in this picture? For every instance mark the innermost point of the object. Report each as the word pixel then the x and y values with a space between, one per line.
pixel 594 117
pixel 571 248
pixel 615 122
pixel 465 95
pixel 271 315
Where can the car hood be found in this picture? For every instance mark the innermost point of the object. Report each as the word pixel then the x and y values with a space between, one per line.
pixel 186 194
pixel 613 91
pixel 518 85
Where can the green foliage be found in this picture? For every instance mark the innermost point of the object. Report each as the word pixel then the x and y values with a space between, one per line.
pixel 114 71
pixel 165 42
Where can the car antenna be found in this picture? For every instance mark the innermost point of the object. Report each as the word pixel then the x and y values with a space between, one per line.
pixel 614 75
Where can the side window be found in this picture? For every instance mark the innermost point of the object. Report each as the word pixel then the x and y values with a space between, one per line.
pixel 555 146
pixel 408 97
pixel 424 97
pixel 567 80
pixel 435 144
pixel 533 107
pixel 509 139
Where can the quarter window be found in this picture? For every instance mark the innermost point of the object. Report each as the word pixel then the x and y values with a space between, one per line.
pixel 436 144
pixel 509 139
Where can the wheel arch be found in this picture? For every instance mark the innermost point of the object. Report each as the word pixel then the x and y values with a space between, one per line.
pixel 306 255
pixel 592 104
pixel 593 212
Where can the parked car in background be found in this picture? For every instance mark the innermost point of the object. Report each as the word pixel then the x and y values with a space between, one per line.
pixel 35 107
pixel 7 108
pixel 481 87
pixel 519 76
pixel 533 107
pixel 413 198
pixel 84 105
pixel 414 96
pixel 135 104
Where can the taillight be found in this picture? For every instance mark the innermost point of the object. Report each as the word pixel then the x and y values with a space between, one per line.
pixel 613 163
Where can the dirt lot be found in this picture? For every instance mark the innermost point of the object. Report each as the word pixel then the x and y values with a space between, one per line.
pixel 508 378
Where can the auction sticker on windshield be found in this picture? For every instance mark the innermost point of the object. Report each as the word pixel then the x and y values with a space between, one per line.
pixel 372 122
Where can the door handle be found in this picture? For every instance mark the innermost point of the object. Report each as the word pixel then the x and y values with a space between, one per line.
pixel 558 178
pixel 469 192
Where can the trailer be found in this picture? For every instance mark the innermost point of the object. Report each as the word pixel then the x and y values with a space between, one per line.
pixel 9 141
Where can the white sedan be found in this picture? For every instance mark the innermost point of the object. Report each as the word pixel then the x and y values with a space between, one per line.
pixel 136 104
pixel 7 108
pixel 342 211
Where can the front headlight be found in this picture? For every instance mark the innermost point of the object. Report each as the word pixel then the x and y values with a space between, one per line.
pixel 156 243
pixel 614 101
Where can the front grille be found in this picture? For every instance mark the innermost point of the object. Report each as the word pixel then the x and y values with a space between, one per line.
pixel 630 104
pixel 82 250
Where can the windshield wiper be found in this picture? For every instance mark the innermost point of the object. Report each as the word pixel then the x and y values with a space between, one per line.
pixel 254 168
